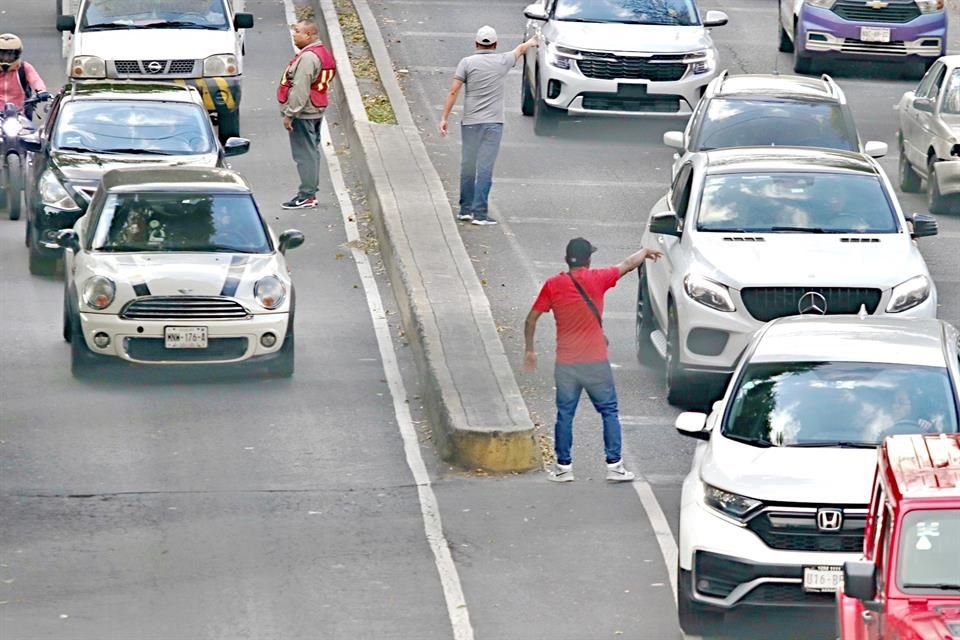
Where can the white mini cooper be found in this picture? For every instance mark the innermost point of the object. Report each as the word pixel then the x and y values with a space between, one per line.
pixel 176 266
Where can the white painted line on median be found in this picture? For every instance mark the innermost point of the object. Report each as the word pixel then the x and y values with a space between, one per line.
pixel 429 507
pixel 457 34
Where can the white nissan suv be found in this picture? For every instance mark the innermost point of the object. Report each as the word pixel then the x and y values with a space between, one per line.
pixel 621 57
pixel 753 233
pixel 776 498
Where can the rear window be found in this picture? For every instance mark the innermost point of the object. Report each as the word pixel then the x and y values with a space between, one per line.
pixel 750 122
pixel 929 559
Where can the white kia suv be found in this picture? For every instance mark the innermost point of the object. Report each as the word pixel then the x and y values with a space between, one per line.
pixel 776 498
pixel 751 234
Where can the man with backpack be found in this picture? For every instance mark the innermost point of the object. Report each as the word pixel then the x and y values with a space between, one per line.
pixel 576 299
pixel 302 95
pixel 19 80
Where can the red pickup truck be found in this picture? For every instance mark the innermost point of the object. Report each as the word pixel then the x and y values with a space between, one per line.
pixel 907 586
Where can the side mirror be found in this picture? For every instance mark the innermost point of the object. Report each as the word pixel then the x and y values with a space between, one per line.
pixel 673 139
pixel 535 12
pixel 860 579
pixel 715 19
pixel 68 239
pixel 665 223
pixel 875 148
pixel 236 147
pixel 66 23
pixel 290 239
pixel 243 21
pixel 924 225
pixel 923 104
pixel 30 142
pixel 693 424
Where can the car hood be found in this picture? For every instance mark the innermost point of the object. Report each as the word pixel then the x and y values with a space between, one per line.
pixel 191 274
pixel 820 475
pixel 631 38
pixel 932 619
pixel 154 44
pixel 86 168
pixel 801 259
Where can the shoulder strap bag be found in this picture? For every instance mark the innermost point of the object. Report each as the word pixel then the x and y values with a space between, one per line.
pixel 593 307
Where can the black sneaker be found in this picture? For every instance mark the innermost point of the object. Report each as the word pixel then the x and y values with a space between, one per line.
pixel 483 221
pixel 300 202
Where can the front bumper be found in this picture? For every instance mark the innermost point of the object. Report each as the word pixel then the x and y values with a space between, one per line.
pixel 142 341
pixel 948 176
pixel 822 33
pixel 712 341
pixel 572 91
pixel 219 94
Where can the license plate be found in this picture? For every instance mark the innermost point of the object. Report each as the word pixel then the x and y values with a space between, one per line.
pixel 822 579
pixel 875 34
pixel 185 337
pixel 631 90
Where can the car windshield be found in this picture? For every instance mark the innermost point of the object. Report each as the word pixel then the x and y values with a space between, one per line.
pixel 143 14
pixel 809 404
pixel 132 126
pixel 929 555
pixel 156 222
pixel 741 122
pixel 795 202
pixel 672 12
pixel 951 97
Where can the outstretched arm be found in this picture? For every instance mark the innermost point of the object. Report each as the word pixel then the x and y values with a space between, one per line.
pixel 522 48
pixel 635 260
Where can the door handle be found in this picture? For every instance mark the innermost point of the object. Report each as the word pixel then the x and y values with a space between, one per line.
pixel 867 617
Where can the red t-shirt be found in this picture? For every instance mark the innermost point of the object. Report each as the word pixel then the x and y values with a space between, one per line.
pixel 579 335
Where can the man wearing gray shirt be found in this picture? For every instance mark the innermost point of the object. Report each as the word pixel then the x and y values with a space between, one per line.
pixel 483 76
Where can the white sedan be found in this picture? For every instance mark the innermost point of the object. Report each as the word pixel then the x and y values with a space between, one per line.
pixel 176 266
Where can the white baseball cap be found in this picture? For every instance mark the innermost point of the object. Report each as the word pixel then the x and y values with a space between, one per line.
pixel 486 35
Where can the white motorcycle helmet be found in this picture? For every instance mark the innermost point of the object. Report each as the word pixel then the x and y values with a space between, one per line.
pixel 10 50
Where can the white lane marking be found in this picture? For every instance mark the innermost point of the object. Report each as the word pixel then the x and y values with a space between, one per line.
pixel 429 507
pixel 456 34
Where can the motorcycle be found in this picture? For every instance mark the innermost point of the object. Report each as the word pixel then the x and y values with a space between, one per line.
pixel 13 121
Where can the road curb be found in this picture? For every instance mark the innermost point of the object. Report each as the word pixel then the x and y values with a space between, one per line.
pixel 479 417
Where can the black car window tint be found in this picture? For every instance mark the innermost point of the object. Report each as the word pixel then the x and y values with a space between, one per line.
pixel 759 122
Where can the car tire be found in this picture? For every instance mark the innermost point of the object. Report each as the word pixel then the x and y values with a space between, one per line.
pixel 645 320
pixel 694 618
pixel 679 387
pixel 83 362
pixel 936 202
pixel 228 124
pixel 545 118
pixel 527 99
pixel 909 180
pixel 67 317
pixel 786 44
pixel 801 63
pixel 40 262
pixel 14 186
pixel 27 230
pixel 284 365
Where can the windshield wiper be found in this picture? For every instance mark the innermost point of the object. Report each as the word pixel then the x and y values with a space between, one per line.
pixel 842 444
pixel 798 229
pixel 151 152
pixel 588 20
pixel 942 586
pixel 107 26
pixel 178 24
pixel 77 149
pixel 756 442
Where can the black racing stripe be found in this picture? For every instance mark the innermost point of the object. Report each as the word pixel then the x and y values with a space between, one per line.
pixel 237 266
pixel 141 289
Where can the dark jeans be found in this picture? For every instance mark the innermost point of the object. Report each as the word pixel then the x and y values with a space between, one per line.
pixel 597 379
pixel 305 148
pixel 480 145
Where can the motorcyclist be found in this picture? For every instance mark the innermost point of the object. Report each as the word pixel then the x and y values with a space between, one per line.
pixel 19 80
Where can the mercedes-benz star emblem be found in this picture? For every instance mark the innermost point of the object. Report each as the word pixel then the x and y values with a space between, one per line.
pixel 812 302
pixel 829 519
pixel 154 66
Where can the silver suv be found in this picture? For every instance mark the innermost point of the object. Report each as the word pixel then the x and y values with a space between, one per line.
pixel 621 57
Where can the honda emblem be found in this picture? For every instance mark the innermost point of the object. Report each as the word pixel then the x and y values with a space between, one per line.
pixel 829 519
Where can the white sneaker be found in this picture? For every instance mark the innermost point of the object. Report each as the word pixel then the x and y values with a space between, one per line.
pixel 561 473
pixel 616 472
pixel 465 216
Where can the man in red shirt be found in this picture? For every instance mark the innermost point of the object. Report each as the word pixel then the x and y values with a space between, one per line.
pixel 582 360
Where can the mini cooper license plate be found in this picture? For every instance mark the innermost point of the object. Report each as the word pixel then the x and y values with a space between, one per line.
pixel 185 337
pixel 822 579
pixel 875 34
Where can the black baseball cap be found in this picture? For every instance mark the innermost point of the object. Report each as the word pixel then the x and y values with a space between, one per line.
pixel 579 251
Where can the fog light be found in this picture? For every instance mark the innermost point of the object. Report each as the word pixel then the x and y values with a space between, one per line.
pixel 816 37
pixel 268 340
pixel 101 339
pixel 553 89
pixel 703 585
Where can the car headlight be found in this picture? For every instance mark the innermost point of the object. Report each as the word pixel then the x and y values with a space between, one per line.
pixel 98 292
pixel 222 64
pixel 729 504
pixel 561 57
pixel 909 294
pixel 270 292
pixel 52 193
pixel 701 61
pixel 88 67
pixel 708 293
pixel 929 6
pixel 11 127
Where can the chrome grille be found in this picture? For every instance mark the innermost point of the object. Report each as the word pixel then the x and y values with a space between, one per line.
pixel 767 303
pixel 181 66
pixel 859 11
pixel 154 67
pixel 127 67
pixel 183 308
pixel 790 530
pixel 607 66
pixel 896 48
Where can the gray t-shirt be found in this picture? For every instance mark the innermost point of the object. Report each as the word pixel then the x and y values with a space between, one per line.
pixel 482 75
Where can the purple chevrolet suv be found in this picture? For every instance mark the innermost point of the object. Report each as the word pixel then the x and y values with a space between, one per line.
pixel 911 31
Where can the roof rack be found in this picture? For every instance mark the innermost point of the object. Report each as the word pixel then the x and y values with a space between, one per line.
pixel 832 85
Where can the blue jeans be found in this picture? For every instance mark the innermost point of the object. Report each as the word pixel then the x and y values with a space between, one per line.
pixel 597 379
pixel 480 145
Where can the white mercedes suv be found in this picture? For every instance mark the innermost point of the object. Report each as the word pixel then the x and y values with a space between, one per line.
pixel 750 234
pixel 621 57
pixel 776 498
